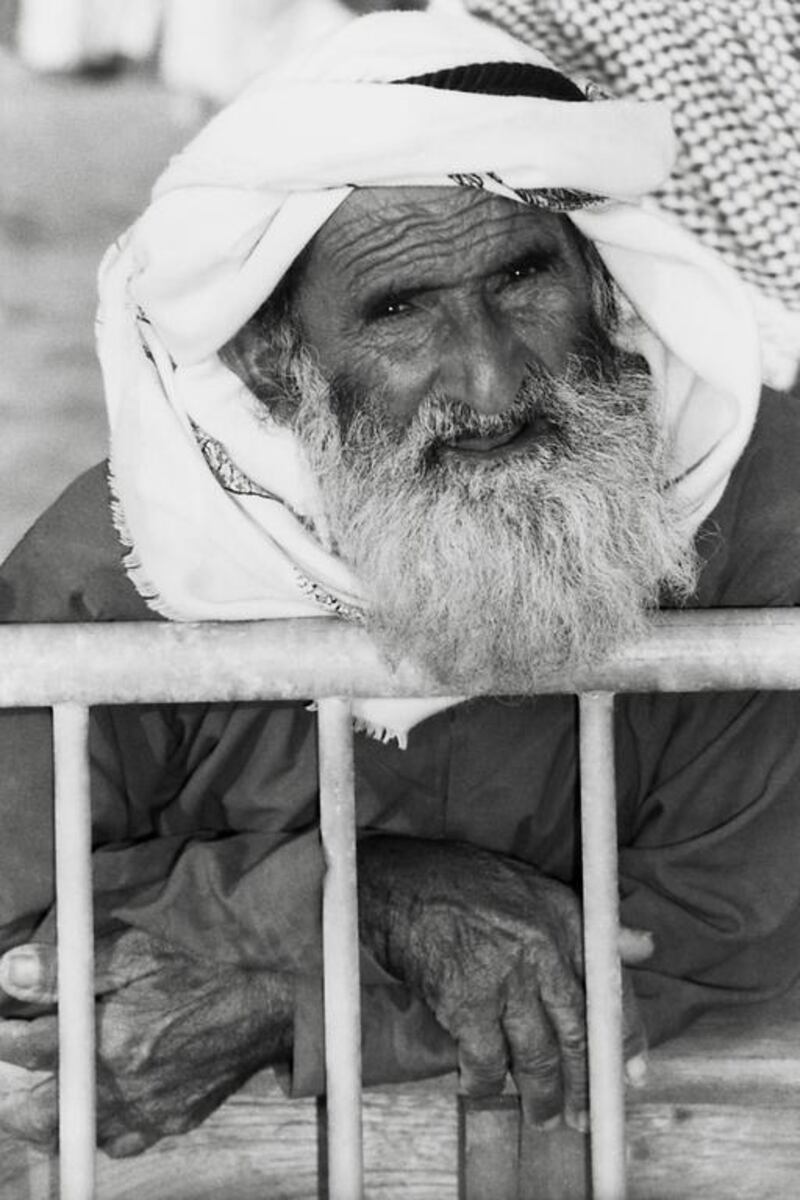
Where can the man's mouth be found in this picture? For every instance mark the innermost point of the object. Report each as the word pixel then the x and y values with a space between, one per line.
pixel 510 440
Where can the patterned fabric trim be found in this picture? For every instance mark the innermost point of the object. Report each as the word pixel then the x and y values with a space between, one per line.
pixel 327 601
pixel 551 199
pixel 232 478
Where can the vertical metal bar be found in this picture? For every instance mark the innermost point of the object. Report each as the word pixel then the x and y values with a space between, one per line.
pixel 340 951
pixel 601 933
pixel 73 842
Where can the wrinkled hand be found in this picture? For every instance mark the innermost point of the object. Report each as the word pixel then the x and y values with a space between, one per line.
pixel 175 1036
pixel 495 950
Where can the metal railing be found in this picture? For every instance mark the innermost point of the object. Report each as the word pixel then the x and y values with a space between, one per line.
pixel 73 667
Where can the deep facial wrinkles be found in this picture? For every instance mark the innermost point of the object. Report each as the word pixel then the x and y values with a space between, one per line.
pixel 420 247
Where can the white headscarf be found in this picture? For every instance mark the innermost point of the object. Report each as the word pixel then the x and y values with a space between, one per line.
pixel 215 500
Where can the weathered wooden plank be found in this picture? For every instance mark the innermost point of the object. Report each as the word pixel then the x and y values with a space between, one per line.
pixel 411 1142
pixel 268 1147
pixel 26 1174
pixel 489 1148
pixel 719 1119
pixel 262 1145
pixel 553 1165
pixel 748 1056
pixel 714 1152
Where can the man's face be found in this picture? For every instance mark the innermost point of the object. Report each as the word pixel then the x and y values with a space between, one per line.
pixel 490 465
pixel 412 291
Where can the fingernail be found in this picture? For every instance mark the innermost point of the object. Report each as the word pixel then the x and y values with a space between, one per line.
pixel 126 1145
pixel 549 1125
pixel 20 968
pixel 577 1120
pixel 636 1070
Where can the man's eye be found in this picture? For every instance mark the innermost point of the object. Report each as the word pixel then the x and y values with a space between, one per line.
pixel 393 306
pixel 528 268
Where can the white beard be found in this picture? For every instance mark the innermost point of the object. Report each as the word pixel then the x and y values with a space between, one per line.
pixel 493 572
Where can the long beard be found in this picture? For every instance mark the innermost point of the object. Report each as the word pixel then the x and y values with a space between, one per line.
pixel 493 572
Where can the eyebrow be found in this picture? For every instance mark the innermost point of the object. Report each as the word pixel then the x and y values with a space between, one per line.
pixel 542 255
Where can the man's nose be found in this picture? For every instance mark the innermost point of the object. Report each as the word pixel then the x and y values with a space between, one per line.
pixel 484 364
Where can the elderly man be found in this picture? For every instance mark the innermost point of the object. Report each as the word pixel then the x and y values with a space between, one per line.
pixel 396 342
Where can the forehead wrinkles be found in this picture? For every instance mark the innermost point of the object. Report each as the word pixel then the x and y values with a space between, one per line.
pixel 374 236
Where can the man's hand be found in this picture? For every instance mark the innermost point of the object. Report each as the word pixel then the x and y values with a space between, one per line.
pixel 495 950
pixel 175 1036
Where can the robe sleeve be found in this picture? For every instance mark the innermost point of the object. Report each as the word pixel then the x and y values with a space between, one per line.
pixel 711 862
pixel 204 816
pixel 162 861
pixel 204 820
pixel 712 844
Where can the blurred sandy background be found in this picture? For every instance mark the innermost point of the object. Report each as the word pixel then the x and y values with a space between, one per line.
pixel 78 156
pixel 77 159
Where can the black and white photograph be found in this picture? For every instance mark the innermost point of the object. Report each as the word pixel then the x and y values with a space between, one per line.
pixel 400 544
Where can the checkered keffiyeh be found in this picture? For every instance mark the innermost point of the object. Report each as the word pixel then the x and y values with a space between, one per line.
pixel 728 70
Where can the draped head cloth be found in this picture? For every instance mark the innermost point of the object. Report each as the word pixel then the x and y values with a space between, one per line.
pixel 215 500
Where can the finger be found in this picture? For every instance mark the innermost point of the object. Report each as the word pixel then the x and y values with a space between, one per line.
pixel 29 972
pixel 29 1104
pixel 636 1070
pixel 482 1058
pixel 31 1044
pixel 565 920
pixel 634 1036
pixel 635 945
pixel 535 1058
pixel 126 1145
pixel 564 1003
pixel 571 920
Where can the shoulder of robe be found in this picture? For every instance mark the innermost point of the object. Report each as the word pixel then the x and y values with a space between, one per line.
pixel 69 565
pixel 750 543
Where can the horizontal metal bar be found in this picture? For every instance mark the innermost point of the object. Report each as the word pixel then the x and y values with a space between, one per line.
pixel 152 661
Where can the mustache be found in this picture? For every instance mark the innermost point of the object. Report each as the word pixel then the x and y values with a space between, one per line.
pixel 441 421
pixel 540 398
pixel 572 404
pixel 554 412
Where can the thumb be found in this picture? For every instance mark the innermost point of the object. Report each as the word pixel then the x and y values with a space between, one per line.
pixel 635 945
pixel 29 972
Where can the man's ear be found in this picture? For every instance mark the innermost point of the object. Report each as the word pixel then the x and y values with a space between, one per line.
pixel 261 355
pixel 261 352
pixel 241 353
